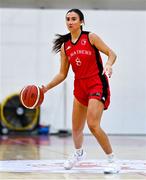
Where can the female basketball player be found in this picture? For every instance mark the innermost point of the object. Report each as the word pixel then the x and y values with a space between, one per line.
pixel 80 49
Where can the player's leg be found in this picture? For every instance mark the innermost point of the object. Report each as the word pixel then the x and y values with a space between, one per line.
pixel 78 123
pixel 94 114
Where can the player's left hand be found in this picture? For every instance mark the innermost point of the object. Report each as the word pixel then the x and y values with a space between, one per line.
pixel 108 70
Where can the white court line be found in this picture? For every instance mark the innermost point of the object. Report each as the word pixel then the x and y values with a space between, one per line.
pixel 56 166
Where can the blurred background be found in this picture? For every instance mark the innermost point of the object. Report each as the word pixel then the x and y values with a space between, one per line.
pixel 27 30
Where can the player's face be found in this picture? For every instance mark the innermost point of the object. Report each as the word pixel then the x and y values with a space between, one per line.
pixel 73 21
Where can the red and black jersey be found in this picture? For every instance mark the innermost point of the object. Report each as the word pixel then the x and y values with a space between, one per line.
pixel 83 56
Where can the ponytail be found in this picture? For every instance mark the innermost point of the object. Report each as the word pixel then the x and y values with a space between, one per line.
pixel 59 41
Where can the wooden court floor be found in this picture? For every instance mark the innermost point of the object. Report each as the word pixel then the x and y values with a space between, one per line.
pixel 52 148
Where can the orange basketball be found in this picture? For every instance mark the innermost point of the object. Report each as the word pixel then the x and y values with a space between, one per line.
pixel 31 96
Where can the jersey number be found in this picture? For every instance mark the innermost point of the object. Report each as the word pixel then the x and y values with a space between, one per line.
pixel 78 62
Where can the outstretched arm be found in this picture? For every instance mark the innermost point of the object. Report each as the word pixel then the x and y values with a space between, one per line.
pixel 64 67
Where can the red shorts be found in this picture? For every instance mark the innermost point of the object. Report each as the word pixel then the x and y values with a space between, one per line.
pixel 95 87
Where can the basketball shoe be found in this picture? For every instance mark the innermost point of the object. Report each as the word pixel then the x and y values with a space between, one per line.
pixel 74 160
pixel 113 166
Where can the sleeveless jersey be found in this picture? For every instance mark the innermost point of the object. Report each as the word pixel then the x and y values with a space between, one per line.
pixel 83 57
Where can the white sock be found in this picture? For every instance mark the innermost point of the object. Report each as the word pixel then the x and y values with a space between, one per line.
pixel 79 151
pixel 111 157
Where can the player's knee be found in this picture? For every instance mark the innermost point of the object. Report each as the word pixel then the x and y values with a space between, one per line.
pixel 93 126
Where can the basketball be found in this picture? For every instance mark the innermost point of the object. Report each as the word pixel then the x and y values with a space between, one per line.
pixel 31 96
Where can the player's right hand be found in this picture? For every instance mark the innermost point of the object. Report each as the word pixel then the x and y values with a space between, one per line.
pixel 44 88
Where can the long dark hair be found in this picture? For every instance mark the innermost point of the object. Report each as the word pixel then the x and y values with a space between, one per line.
pixel 64 38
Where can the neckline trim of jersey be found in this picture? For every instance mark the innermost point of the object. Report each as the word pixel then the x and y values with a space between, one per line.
pixel 74 43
